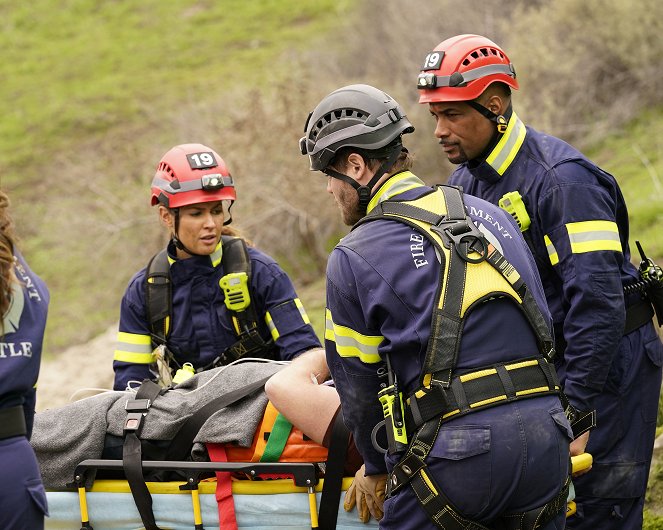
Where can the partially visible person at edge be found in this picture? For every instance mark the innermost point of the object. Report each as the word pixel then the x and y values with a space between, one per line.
pixel 24 302
pixel 194 192
pixel 575 221
pixel 457 466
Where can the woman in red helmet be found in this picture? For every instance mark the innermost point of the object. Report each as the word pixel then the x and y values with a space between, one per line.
pixel 575 221
pixel 213 310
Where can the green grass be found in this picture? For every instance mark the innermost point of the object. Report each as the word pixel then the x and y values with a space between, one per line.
pixel 91 94
pixel 77 68
pixel 634 156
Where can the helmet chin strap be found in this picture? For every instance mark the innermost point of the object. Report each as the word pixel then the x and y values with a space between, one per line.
pixel 365 192
pixel 501 120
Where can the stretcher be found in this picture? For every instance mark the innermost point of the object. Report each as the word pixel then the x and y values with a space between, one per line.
pixel 191 504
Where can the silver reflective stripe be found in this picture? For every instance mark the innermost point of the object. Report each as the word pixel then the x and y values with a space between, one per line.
pixel 594 236
pixel 351 343
pixel 187 185
pixel 552 251
pixel 355 130
pixel 507 148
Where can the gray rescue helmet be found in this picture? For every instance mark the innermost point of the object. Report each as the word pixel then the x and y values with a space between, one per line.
pixel 353 116
pixel 358 116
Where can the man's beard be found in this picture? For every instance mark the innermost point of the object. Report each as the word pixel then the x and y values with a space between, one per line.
pixel 348 203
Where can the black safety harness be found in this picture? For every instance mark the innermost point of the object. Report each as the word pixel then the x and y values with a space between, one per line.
pixel 472 271
pixel 159 307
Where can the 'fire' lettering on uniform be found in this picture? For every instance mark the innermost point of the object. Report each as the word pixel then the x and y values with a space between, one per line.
pixel 417 250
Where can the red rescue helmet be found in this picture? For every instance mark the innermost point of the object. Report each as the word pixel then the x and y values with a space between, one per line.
pixel 461 68
pixel 191 174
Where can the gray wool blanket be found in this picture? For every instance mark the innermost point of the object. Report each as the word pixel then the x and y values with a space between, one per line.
pixel 62 437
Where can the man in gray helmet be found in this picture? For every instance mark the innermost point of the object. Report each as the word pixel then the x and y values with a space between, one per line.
pixel 437 337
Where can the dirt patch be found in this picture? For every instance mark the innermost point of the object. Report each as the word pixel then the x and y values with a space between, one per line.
pixel 72 372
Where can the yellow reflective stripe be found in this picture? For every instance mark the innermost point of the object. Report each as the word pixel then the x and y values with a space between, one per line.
pixel 350 343
pixel 428 482
pixel 397 184
pixel 507 148
pixel 270 321
pixel 552 252
pixel 532 390
pixel 133 348
pixel 452 413
pixel 489 400
pixel 302 311
pixel 477 375
pixel 521 364
pixel 216 256
pixel 591 236
pixel 134 338
pixel 136 358
pixel 271 326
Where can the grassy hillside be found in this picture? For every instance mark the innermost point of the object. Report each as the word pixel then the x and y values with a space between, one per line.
pixel 93 94
pixel 634 154
pixel 77 68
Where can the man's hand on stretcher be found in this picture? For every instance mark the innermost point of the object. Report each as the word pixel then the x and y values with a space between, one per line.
pixel 367 493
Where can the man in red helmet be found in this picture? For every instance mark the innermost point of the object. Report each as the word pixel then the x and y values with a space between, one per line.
pixel 574 219
pixel 205 326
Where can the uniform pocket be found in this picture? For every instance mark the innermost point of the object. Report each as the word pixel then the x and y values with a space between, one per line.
pixel 649 379
pixel 37 493
pixel 560 419
pixel 654 350
pixel 460 460
pixel 461 442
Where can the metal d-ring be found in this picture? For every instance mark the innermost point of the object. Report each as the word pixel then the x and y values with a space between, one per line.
pixel 483 254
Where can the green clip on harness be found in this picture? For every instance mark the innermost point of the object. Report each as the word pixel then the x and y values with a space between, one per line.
pixel 471 271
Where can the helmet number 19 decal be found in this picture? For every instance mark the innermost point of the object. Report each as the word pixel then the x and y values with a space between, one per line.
pixel 201 160
pixel 433 61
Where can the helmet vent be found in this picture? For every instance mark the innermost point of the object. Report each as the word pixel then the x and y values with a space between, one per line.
pixel 163 166
pixel 334 116
pixel 482 52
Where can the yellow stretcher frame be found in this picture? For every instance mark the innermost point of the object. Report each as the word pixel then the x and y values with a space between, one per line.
pixel 305 481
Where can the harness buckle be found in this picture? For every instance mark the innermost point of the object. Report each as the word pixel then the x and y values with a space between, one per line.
pixel 465 236
pixel 137 410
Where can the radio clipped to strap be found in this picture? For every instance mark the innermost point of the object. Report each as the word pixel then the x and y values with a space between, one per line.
pixel 235 287
pixel 391 400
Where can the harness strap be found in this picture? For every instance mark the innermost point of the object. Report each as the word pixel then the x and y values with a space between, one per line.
pixel 250 343
pixel 137 409
pixel 495 385
pixel 223 492
pixel 462 248
pixel 159 297
pixel 12 422
pixel 333 482
pixel 537 517
pixel 278 437
pixel 180 446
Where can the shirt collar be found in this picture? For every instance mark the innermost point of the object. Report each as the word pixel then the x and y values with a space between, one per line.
pixel 503 154
pixel 395 185
pixel 213 259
